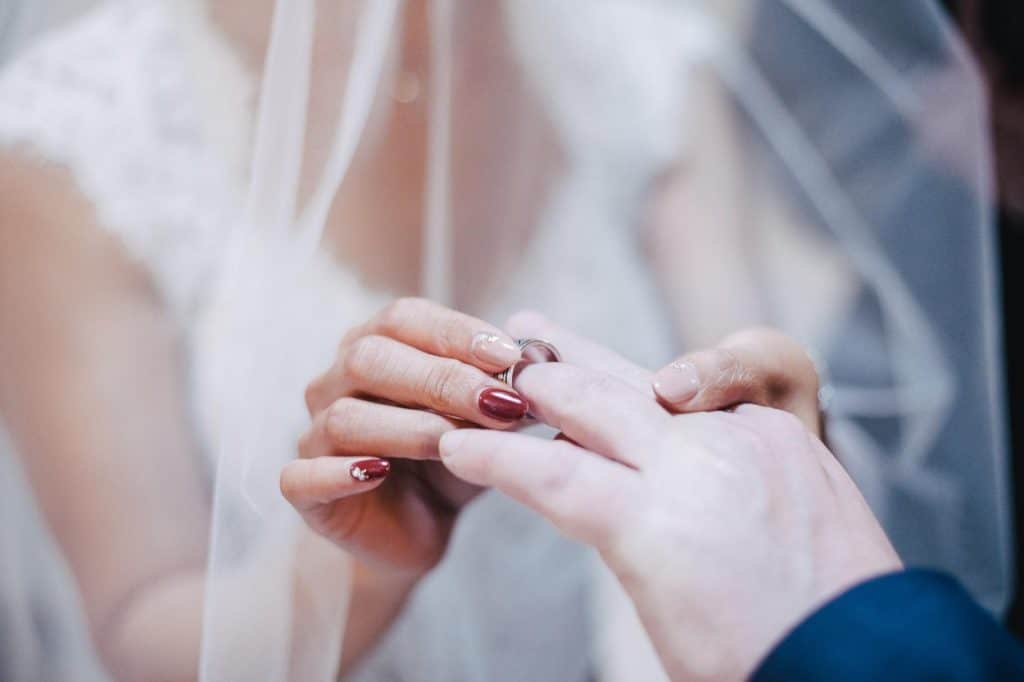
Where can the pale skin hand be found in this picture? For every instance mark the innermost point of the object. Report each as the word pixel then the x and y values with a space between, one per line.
pixel 413 373
pixel 760 366
pixel 422 355
pixel 726 529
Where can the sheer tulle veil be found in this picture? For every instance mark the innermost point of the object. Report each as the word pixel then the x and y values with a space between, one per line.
pixel 866 126
pixel 823 167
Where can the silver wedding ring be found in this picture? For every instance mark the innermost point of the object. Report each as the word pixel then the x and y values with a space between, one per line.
pixel 534 351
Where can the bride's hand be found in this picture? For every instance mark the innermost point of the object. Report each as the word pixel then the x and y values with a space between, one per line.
pixel 726 528
pixel 414 372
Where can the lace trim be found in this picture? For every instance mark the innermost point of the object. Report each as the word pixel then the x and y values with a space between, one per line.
pixel 109 98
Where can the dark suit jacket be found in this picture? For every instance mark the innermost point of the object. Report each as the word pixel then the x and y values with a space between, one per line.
pixel 911 625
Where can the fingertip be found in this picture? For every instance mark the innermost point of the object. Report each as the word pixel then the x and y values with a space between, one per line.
pixel 308 483
pixel 502 404
pixel 370 470
pixel 677 383
pixel 495 349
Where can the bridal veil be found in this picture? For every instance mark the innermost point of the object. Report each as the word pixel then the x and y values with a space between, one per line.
pixel 819 166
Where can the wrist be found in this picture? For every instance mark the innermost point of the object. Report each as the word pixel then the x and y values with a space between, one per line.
pixel 371 579
pixel 378 596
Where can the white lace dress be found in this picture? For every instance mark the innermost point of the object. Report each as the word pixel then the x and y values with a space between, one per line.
pixel 111 99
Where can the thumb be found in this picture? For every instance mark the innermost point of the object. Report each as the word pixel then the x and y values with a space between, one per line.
pixel 759 366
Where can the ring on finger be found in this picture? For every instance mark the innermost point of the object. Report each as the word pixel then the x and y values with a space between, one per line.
pixel 534 351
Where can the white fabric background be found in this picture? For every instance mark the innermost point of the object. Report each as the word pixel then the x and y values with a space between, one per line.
pixel 20 20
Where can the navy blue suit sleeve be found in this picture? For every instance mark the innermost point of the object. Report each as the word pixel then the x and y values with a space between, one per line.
pixel 911 625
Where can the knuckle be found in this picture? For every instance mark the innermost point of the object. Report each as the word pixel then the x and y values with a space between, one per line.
pixel 727 365
pixel 304 444
pixel 288 484
pixel 443 383
pixel 798 369
pixel 398 313
pixel 448 333
pixel 734 381
pixel 363 358
pixel 342 420
pixel 312 395
pixel 350 337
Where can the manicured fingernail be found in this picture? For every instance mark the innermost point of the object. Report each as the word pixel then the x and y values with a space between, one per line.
pixel 502 405
pixel 370 470
pixel 677 383
pixel 495 350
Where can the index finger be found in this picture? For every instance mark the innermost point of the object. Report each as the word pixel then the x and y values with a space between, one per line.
pixel 435 329
pixel 597 410
pixel 582 493
pixel 577 350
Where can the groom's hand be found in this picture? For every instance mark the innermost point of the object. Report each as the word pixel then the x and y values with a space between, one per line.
pixel 757 366
pixel 726 529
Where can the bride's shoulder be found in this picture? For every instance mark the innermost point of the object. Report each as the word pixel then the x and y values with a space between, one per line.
pixel 106 98
pixel 104 83
pixel 87 62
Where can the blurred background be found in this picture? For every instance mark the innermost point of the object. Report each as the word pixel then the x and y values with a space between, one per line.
pixel 18 23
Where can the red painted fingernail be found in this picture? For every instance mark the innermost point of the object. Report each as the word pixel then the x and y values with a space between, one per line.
pixel 370 470
pixel 503 405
